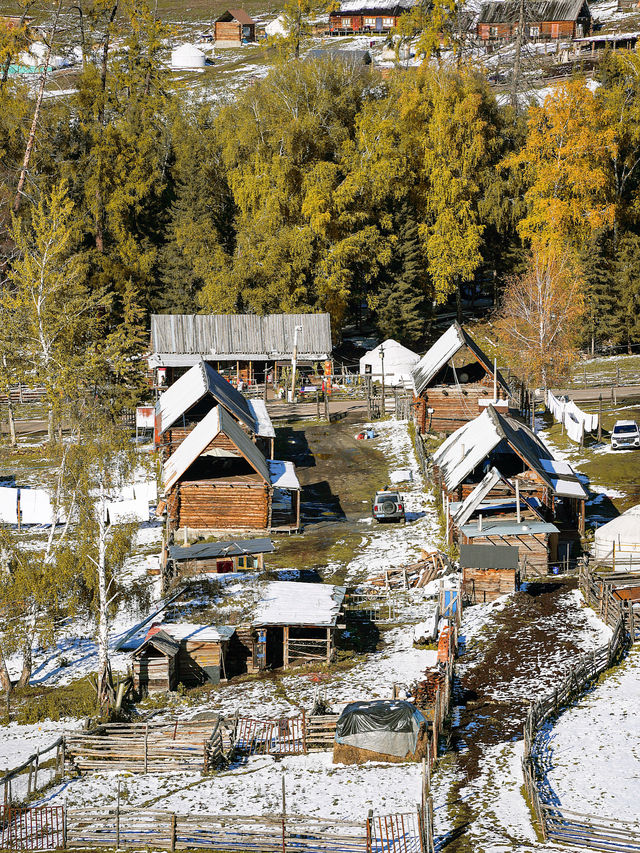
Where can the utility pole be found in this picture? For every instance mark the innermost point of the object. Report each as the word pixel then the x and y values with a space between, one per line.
pixel 382 367
pixel 517 60
pixel 294 361
pixel 600 418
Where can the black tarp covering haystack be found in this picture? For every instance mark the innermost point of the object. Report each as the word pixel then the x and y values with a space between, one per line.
pixel 390 727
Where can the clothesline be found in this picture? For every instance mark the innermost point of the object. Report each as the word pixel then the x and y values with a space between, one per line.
pixel 575 421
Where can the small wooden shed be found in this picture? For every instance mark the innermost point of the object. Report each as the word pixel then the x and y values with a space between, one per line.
pixel 295 623
pixel 181 653
pixel 219 557
pixel 535 541
pixel 233 28
pixel 489 571
pixel 454 382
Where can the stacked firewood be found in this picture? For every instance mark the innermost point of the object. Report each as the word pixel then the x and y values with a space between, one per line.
pixel 431 565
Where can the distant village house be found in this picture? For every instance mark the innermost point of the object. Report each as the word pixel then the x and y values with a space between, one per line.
pixel 368 16
pixel 234 28
pixel 550 19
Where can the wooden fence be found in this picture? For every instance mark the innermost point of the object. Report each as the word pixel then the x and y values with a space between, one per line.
pixel 34 774
pixel 551 819
pixel 159 829
pixel 598 593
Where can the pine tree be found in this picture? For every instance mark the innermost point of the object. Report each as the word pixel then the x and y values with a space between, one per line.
pixel 602 316
pixel 401 304
pixel 627 279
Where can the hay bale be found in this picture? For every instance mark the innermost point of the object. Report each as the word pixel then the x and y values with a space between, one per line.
pixel 344 753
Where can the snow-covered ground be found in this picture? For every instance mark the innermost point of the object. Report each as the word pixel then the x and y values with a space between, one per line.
pixel 592 752
pixel 17 742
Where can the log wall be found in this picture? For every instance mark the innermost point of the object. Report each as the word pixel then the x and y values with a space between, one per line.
pixel 454 405
pixel 208 506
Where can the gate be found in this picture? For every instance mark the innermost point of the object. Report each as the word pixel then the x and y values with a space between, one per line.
pixel 395 833
pixel 285 736
pixel 40 828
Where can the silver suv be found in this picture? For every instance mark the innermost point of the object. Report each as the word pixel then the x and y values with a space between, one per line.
pixel 625 435
pixel 388 506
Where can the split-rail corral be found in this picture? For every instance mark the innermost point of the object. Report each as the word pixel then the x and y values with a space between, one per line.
pixel 555 823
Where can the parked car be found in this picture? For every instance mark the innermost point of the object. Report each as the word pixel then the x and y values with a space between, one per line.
pixel 625 435
pixel 388 506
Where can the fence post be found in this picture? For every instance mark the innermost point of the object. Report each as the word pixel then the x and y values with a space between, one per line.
pixel 368 825
pixel 172 846
pixel 284 807
pixel 146 746
pixel 35 770
pixel 64 825
pixel 118 819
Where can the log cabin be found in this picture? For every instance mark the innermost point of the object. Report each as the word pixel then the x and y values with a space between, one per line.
pixel 550 19
pixel 243 346
pixel 233 28
pixel 497 440
pixel 219 557
pixel 218 479
pixel 454 381
pixel 193 396
pixel 181 653
pixel 294 623
pixel 367 16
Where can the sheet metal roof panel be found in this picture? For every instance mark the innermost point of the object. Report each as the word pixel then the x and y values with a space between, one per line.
pixel 191 448
pixel 293 603
pixel 241 16
pixel 180 397
pixel 508 12
pixel 489 556
pixel 208 550
pixel 363 7
pixel 283 475
pixel 251 453
pixel 161 641
pixel 239 335
pixel 191 632
pixel 476 496
pixel 264 425
pixel 229 397
pixel 507 527
pixel 465 449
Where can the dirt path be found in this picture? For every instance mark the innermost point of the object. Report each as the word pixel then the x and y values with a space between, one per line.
pixel 513 650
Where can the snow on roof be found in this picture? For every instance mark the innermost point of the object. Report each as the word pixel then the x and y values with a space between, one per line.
pixel 507 527
pixel 161 641
pixel 444 349
pixel 264 426
pixel 507 11
pixel 292 603
pixel 397 358
pixel 217 421
pixel 191 387
pixel 283 475
pixel 353 6
pixel 235 548
pixel 475 497
pixel 466 448
pixel 194 632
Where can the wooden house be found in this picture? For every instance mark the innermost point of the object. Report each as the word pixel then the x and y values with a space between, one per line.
pixel 233 28
pixel 218 479
pixel 367 16
pixel 454 381
pixel 181 653
pixel 219 557
pixel 549 19
pixel 294 623
pixel 244 346
pixel 496 440
pixel 185 403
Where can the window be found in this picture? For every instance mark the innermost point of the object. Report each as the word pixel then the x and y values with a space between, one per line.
pixel 346 22
pixel 388 22
pixel 534 32
pixel 493 32
pixel 369 22
pixel 247 562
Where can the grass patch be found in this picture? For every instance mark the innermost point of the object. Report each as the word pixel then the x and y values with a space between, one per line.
pixel 36 704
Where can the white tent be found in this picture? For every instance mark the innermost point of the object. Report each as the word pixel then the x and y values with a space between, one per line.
pixel 398 363
pixel 276 27
pixel 620 536
pixel 187 56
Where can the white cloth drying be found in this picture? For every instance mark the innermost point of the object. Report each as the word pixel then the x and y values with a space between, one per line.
pixel 125 512
pixel 146 491
pixel 8 506
pixel 35 507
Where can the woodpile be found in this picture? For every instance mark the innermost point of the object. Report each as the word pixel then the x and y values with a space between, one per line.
pixel 414 575
pixel 481 585
pixel 321 732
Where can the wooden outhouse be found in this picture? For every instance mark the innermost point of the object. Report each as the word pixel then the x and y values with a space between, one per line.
pixel 295 623
pixel 182 653
pixel 454 382
pixel 544 20
pixel 191 397
pixel 233 28
pixel 218 479
pixel 489 571
pixel 536 542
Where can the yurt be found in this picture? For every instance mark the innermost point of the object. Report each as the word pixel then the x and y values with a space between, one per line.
pixel 398 363
pixel 617 543
pixel 383 730
pixel 276 27
pixel 187 56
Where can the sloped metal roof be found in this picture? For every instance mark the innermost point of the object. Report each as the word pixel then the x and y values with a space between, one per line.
pixel 161 641
pixel 508 527
pixel 191 387
pixel 466 448
pixel 444 349
pixel 208 550
pixel 264 426
pixel 217 421
pixel 180 339
pixel 508 11
pixel 371 7
pixel 475 498
pixel 489 556
pixel 240 16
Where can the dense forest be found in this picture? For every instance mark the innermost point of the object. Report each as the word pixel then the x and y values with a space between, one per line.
pixel 325 186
